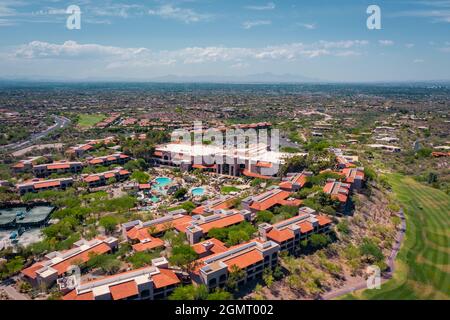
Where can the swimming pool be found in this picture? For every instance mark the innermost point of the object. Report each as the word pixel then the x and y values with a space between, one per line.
pixel 154 199
pixel 196 192
pixel 163 181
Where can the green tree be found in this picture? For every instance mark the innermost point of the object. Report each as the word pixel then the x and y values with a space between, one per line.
pixel 109 223
pixel 180 193
pixel 11 267
pixel 268 277
pixel 184 256
pixel 318 241
pixel 264 216
pixel 220 295
pixel 235 275
pixel 371 251
pixel 189 292
pixel 140 177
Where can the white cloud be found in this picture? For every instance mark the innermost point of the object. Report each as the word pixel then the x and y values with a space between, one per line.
pixel 410 45
pixel 418 61
pixel 180 14
pixel 72 49
pixel 240 65
pixel 436 15
pixel 268 6
pixel 256 23
pixel 116 57
pixel 386 43
pixel 309 26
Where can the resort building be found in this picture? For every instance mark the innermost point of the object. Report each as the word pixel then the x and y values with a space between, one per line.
pixel 289 233
pixel 354 177
pixel 57 263
pixel 269 199
pixel 137 230
pixel 79 150
pixel 117 158
pixel 256 161
pixel 293 182
pixel 339 191
pixel 149 283
pixel 344 161
pixel 37 185
pixel 209 247
pixel 61 167
pixel 200 225
pixel 25 165
pixel 112 119
pixel 101 179
pixel 252 257
pixel 222 203
pixel 385 147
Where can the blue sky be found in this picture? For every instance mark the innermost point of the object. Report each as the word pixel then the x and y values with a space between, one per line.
pixel 139 40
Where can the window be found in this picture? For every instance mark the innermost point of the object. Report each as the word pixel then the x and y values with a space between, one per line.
pixel 145 294
pixel 222 278
pixel 212 282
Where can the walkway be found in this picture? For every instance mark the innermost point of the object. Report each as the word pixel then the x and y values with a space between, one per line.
pixel 13 293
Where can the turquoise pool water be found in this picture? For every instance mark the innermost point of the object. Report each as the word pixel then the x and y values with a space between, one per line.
pixel 163 181
pixel 196 192
pixel 154 199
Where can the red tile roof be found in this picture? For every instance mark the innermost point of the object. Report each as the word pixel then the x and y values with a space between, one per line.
pixel 217 246
pixel 220 223
pixel 47 184
pixel 223 205
pixel 323 220
pixel 142 233
pixel 62 266
pixel 254 175
pixel 263 164
pixel 96 161
pixel 83 257
pixel 270 201
pixel 91 178
pixel 124 290
pixel 280 235
pixel 149 245
pixel 165 278
pixel 244 260
pixel 58 166
pixel 200 166
pixel 72 295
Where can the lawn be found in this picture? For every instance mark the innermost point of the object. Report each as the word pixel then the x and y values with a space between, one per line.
pixel 228 189
pixel 422 266
pixel 90 120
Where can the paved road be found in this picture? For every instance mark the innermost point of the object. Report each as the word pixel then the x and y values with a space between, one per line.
pixel 390 263
pixel 13 293
pixel 60 122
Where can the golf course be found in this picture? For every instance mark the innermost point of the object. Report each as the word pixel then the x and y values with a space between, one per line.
pixel 422 267
pixel 90 120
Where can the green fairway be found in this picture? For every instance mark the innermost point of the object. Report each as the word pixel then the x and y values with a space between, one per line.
pixel 422 265
pixel 90 120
